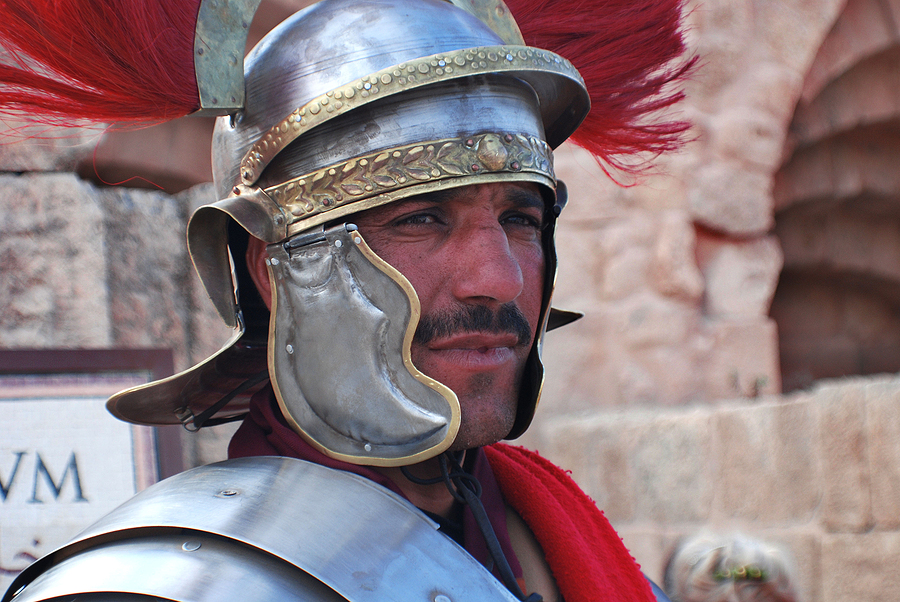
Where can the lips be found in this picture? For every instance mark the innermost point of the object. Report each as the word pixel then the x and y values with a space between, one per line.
pixel 473 351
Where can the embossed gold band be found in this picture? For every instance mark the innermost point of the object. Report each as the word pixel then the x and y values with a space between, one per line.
pixel 306 200
pixel 393 80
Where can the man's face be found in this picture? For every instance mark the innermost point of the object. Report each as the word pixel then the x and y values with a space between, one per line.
pixel 474 256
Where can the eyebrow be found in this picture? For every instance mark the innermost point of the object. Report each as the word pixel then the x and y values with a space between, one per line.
pixel 520 197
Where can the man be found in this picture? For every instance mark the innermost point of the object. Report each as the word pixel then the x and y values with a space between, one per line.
pixel 383 247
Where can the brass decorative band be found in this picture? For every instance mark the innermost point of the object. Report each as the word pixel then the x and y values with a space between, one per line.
pixel 405 76
pixel 379 173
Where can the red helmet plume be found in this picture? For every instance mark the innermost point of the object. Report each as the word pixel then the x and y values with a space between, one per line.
pixel 628 52
pixel 98 60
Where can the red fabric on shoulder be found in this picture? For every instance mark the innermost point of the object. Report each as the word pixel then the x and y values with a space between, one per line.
pixel 585 554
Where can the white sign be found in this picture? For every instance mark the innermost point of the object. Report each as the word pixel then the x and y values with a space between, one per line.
pixel 64 461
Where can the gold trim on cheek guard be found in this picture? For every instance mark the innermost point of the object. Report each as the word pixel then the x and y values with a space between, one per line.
pixel 340 317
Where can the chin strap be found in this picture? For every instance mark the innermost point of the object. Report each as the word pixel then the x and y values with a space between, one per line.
pixel 466 489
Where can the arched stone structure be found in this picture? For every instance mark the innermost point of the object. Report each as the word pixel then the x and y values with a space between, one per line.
pixel 837 206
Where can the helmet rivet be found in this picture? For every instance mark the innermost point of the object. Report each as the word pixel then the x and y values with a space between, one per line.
pixel 190 546
pixel 475 167
pixel 236 190
pixel 290 349
pixel 367 447
pixel 275 261
pixel 515 165
pixel 246 175
pixel 508 137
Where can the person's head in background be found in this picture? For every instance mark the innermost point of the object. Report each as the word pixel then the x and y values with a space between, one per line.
pixel 710 567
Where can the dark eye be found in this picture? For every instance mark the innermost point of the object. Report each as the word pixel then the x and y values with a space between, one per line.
pixel 524 220
pixel 416 219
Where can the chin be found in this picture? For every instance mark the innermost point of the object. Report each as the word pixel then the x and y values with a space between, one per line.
pixel 480 428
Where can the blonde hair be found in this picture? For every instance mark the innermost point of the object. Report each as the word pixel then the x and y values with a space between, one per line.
pixel 717 568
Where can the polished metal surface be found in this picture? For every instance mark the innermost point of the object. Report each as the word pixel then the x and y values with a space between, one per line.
pixel 219 41
pixel 340 353
pixel 365 84
pixel 255 529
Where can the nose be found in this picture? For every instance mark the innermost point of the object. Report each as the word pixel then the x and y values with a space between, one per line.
pixel 486 266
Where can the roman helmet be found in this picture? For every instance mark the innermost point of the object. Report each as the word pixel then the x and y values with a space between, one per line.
pixel 353 104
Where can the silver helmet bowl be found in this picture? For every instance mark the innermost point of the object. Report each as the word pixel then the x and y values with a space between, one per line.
pixel 351 105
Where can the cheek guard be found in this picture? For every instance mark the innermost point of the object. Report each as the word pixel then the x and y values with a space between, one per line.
pixel 341 328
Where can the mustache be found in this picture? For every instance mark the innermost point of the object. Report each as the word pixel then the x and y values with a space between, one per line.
pixel 508 319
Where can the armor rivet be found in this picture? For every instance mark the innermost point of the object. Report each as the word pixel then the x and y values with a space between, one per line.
pixel 228 493
pixel 190 546
pixel 290 349
pixel 441 598
pixel 368 448
pixel 327 203
pixel 236 190
pixel 246 175
pixel 357 240
pixel 515 165
pixel 470 142
pixel 475 167
pixel 278 219
pixel 275 261
pixel 215 101
pixel 338 243
pixel 508 137
pixel 199 51
pixel 395 154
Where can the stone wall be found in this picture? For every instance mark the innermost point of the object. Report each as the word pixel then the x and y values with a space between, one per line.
pixel 665 400
pixel 817 471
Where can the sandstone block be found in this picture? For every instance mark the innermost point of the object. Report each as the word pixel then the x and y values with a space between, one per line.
pixel 674 269
pixel 740 276
pixel 52 263
pixel 846 501
pixel 748 134
pixel 743 360
pixel 672 471
pixel 764 464
pixel 860 567
pixel 149 270
pixel 732 198
pixel 882 399
pixel 597 451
